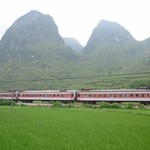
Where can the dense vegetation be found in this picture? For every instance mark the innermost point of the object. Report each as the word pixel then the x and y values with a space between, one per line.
pixel 70 129
pixel 7 102
pixel 32 49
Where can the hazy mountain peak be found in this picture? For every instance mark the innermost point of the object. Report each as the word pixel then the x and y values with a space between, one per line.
pixel 111 30
pixel 73 43
pixel 31 28
pixel 108 32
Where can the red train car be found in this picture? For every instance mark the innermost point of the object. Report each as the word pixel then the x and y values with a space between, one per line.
pixel 80 95
pixel 48 95
pixel 114 95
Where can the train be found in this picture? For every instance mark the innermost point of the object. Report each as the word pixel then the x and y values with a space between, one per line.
pixel 122 95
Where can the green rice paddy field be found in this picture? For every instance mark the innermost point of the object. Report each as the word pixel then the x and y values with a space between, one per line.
pixel 43 128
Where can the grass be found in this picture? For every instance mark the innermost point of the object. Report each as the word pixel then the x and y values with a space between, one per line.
pixel 46 128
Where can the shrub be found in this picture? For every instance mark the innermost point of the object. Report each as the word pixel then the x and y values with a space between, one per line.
pixel 86 105
pixel 70 105
pixel 131 105
pixel 7 102
pixel 104 105
pixel 115 105
pixel 109 105
pixel 57 104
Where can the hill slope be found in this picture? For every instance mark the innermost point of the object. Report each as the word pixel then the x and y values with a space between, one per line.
pixel 111 48
pixel 32 49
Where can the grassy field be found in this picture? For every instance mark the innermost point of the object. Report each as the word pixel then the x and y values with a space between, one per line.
pixel 43 128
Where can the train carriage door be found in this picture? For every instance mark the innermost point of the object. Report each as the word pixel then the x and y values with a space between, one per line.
pixel 75 95
pixel 17 94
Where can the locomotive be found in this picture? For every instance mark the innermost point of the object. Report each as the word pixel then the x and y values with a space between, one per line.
pixel 124 95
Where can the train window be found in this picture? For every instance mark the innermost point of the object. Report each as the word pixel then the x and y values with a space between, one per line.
pixel 125 95
pixel 131 95
pixel 94 95
pixel 54 95
pixel 147 95
pixel 90 95
pixel 104 95
pixel 142 95
pixel 120 95
pixel 137 95
pixel 109 95
pixel 114 95
pixel 100 95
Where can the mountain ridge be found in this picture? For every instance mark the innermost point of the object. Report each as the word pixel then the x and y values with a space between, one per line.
pixel 33 48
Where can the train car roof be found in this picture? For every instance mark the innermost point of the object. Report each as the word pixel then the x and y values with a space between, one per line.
pixel 117 90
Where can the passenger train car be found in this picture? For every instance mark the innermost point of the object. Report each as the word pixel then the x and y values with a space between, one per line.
pixel 114 95
pixel 131 95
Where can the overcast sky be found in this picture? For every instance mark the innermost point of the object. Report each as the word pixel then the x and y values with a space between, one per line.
pixel 77 18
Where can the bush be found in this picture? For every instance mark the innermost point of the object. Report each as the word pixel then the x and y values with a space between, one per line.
pixel 115 105
pixel 86 105
pixel 70 105
pixel 109 105
pixel 131 105
pixel 7 102
pixel 57 104
pixel 104 105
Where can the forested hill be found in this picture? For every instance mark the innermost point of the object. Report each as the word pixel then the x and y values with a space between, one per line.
pixel 111 48
pixel 32 48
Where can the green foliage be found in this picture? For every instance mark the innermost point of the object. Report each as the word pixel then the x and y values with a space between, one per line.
pixel 7 102
pixel 86 105
pixel 140 84
pixel 132 105
pixel 69 105
pixel 109 105
pixel 57 104
pixel 33 49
